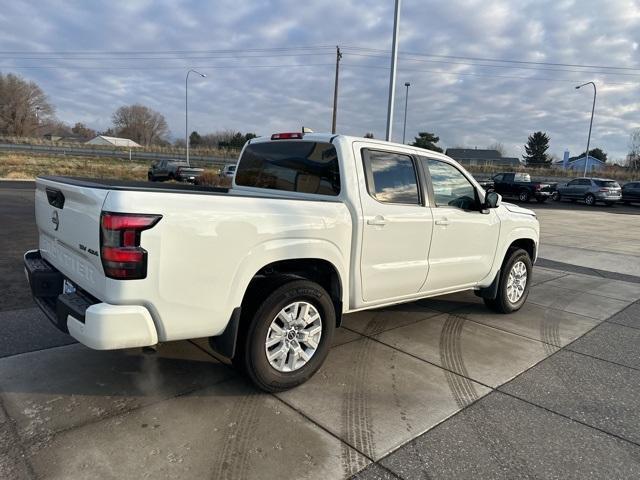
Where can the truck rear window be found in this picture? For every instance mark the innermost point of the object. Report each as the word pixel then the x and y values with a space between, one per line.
pixel 307 167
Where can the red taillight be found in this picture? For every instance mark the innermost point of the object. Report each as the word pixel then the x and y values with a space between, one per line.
pixel 537 186
pixel 286 136
pixel 122 256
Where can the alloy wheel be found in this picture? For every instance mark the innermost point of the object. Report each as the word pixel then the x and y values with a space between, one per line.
pixel 293 337
pixel 516 282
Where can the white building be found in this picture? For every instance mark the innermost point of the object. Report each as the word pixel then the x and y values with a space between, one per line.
pixel 112 141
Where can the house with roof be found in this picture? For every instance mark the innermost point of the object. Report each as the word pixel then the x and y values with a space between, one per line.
pixel 578 164
pixel 477 156
pixel 113 142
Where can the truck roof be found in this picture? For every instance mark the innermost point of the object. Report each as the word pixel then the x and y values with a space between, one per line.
pixel 329 137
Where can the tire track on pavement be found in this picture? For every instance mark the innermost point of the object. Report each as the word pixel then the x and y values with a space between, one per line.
pixel 356 412
pixel 464 393
pixel 233 460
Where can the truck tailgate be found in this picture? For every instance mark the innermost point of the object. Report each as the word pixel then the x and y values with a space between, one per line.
pixel 68 219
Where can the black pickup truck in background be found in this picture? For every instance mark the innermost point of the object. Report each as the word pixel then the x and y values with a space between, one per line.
pixel 177 170
pixel 520 186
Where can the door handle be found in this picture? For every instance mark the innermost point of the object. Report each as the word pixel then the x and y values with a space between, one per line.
pixel 378 220
pixel 443 221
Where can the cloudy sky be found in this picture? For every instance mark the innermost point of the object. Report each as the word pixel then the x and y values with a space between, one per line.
pixel 270 65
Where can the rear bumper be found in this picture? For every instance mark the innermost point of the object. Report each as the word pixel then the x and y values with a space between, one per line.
pixel 608 197
pixel 97 325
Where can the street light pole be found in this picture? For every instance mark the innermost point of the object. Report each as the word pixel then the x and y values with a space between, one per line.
pixel 186 109
pixel 392 78
pixel 335 90
pixel 406 101
pixel 593 108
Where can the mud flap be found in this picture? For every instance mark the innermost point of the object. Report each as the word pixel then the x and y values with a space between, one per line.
pixel 225 343
pixel 492 290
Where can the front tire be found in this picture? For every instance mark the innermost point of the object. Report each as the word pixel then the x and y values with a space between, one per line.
pixel 288 337
pixel 513 286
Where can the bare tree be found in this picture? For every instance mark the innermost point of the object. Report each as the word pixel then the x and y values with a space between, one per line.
pixel 140 124
pixel 633 158
pixel 23 105
pixel 54 126
pixel 498 147
pixel 83 131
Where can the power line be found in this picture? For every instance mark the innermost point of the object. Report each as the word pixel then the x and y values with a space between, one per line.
pixel 484 65
pixel 159 52
pixel 481 59
pixel 164 67
pixel 206 57
pixel 439 72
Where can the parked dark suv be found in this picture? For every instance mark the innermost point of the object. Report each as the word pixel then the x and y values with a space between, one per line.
pixel 631 193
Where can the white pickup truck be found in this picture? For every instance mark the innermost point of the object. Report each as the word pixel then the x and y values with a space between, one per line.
pixel 315 226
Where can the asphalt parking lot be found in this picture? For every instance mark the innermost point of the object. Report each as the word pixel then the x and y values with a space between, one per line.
pixel 440 388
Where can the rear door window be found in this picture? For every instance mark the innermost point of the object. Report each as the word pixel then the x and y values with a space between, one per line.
pixel 291 166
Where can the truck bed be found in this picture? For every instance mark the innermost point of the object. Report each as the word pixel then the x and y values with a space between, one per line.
pixel 116 184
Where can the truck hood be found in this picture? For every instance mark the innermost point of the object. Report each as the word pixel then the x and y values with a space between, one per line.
pixel 517 209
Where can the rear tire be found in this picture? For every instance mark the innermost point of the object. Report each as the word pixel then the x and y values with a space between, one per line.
pixel 524 196
pixel 512 291
pixel 150 177
pixel 556 196
pixel 277 313
pixel 590 200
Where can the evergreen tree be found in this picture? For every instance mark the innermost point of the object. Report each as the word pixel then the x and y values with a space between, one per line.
pixel 195 139
pixel 596 153
pixel 427 140
pixel 536 149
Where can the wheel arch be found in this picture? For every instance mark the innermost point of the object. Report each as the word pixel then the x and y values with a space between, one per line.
pixel 526 244
pixel 317 260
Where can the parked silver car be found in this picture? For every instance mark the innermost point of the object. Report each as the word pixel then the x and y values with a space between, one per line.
pixel 591 190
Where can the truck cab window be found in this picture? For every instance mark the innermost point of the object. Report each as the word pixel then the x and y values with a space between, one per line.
pixel 391 177
pixel 292 166
pixel 450 187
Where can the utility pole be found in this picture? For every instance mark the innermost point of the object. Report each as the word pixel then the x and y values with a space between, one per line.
pixel 335 90
pixel 392 78
pixel 406 102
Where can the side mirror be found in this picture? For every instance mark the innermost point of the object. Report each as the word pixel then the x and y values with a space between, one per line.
pixel 492 200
